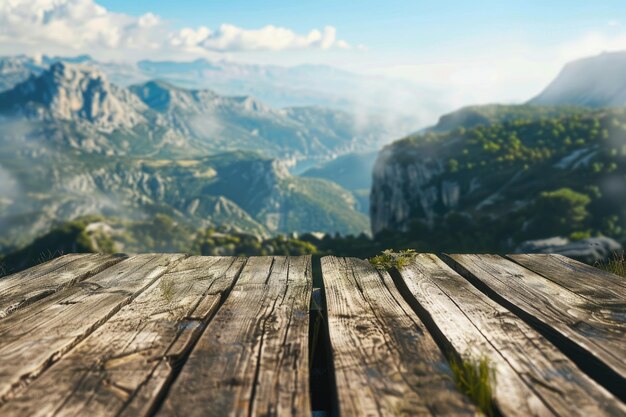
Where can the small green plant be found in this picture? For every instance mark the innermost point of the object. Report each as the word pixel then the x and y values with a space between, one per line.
pixel 166 286
pixel 475 378
pixel 616 264
pixel 389 259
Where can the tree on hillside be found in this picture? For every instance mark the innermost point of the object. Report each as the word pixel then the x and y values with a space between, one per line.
pixel 559 212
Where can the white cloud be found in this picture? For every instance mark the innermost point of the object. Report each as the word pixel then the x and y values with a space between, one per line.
pixel 504 71
pixel 268 38
pixel 70 26
pixel 593 43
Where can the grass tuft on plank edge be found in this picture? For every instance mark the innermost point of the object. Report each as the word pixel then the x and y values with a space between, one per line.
pixel 389 259
pixel 616 264
pixel 476 379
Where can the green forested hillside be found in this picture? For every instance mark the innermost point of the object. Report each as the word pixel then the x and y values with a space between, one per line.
pixel 494 186
pixel 489 114
pixel 158 234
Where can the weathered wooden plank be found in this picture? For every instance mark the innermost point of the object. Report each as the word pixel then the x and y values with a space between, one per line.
pixel 37 335
pixel 533 378
pixel 37 271
pixel 577 322
pixel 144 400
pixel 23 288
pixel 386 362
pixel 42 267
pixel 596 285
pixel 103 374
pixel 252 360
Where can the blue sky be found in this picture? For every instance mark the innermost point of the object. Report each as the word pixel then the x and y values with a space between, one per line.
pixel 393 23
pixel 482 51
pixel 407 38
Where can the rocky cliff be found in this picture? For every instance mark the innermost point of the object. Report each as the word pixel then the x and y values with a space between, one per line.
pixel 402 191
pixel 496 186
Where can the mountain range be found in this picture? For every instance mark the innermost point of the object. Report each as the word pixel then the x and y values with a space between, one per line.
pixel 488 177
pixel 177 120
pixel 388 101
pixel 75 144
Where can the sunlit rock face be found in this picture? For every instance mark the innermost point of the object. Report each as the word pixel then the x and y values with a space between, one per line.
pixel 586 250
pixel 402 191
pixel 74 93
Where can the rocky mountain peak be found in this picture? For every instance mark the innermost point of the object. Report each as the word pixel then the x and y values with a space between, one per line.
pixel 77 93
pixel 163 96
pixel 251 104
pixel 596 81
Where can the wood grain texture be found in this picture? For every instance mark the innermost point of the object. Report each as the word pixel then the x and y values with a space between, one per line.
pixel 117 368
pixel 252 359
pixel 23 288
pixel 40 269
pixel 533 378
pixel 588 326
pixel 386 363
pixel 598 286
pixel 34 337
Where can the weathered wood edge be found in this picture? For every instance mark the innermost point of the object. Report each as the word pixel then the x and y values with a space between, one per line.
pixel 236 367
pixel 596 285
pixel 385 361
pixel 532 376
pixel 575 346
pixel 40 268
pixel 49 337
pixel 22 289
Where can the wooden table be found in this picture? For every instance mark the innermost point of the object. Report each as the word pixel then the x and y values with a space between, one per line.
pixel 175 335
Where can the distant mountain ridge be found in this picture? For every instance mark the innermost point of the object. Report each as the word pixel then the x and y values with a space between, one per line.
pixel 596 82
pixel 175 120
pixel 386 100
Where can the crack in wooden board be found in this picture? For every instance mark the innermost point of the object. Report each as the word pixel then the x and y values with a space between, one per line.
pixel 33 338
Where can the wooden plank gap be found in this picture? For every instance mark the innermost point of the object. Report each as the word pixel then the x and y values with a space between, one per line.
pixel 570 322
pixel 262 321
pixel 532 377
pixel 149 396
pixel 385 360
